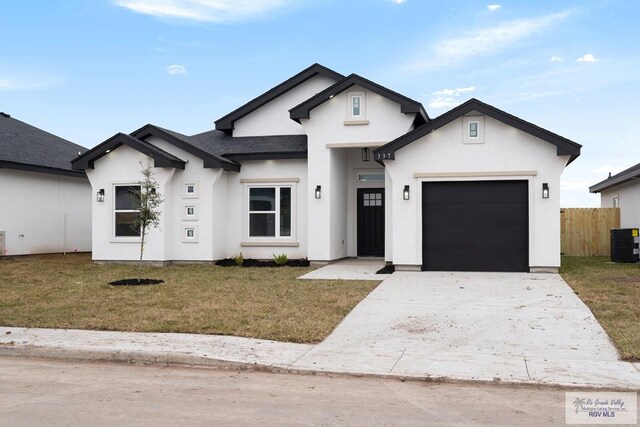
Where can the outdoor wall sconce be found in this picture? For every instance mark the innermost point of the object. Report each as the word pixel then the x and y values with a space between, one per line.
pixel 100 195
pixel 318 192
pixel 545 191
pixel 365 155
pixel 405 193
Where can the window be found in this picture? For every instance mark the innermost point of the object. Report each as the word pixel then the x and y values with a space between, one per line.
pixel 371 177
pixel 616 202
pixel 127 202
pixel 270 211
pixel 372 199
pixel 190 234
pixel 190 190
pixel 356 105
pixel 191 211
pixel 473 129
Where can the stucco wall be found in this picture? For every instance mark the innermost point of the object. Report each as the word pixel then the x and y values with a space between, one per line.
pixel 333 216
pixel 629 202
pixel 273 117
pixel 44 213
pixel 505 150
pixel 276 172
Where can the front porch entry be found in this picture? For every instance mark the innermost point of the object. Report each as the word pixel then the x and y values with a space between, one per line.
pixel 370 228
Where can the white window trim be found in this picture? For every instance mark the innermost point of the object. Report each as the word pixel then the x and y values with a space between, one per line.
pixel 114 238
pixel 193 217
pixel 615 201
pixel 466 129
pixel 193 195
pixel 195 237
pixel 294 214
pixel 363 110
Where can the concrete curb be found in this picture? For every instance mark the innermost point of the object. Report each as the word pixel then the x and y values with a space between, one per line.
pixel 190 360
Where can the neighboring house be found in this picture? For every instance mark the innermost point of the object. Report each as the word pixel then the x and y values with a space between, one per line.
pixel 45 206
pixel 326 167
pixel 622 191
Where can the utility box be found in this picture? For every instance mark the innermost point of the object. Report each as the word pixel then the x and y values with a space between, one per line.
pixel 2 243
pixel 624 245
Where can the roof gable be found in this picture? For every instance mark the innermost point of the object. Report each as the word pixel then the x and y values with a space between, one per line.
pixel 626 175
pixel 407 105
pixel 226 123
pixel 564 145
pixel 26 147
pixel 187 144
pixel 161 158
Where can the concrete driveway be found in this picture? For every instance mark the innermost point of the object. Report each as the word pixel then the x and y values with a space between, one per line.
pixel 514 327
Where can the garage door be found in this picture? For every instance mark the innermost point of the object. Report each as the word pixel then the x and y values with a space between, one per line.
pixel 475 226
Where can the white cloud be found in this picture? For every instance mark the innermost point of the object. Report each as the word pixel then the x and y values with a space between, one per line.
pixel 6 85
pixel 493 7
pixel 588 58
pixel 482 42
pixel 555 59
pixel 176 70
pixel 447 98
pixel 217 11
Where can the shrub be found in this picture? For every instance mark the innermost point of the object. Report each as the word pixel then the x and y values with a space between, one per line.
pixel 280 259
pixel 239 259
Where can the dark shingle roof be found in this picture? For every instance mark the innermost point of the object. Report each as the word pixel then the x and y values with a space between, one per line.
pixel 217 149
pixel 626 175
pixel 26 147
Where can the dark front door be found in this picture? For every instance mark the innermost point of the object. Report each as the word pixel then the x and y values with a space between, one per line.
pixel 371 222
pixel 475 226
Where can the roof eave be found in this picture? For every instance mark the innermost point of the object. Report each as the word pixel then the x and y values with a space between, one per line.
pixel 42 169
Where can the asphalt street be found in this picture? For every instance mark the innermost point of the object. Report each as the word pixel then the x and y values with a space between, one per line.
pixel 54 392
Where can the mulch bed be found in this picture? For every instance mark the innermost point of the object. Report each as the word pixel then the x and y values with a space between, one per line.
pixel 250 262
pixel 136 282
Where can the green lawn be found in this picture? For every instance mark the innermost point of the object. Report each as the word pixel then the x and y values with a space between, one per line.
pixel 57 291
pixel 612 292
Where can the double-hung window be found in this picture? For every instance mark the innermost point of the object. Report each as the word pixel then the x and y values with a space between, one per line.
pixel 127 213
pixel 270 211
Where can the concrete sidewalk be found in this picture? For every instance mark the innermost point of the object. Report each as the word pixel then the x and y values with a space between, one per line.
pixel 246 353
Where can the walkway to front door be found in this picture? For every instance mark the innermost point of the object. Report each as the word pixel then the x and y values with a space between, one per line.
pixel 371 222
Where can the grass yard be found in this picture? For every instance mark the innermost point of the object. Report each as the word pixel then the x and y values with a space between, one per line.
pixel 612 292
pixel 57 291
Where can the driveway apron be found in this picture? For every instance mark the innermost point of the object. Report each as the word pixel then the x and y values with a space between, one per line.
pixel 513 327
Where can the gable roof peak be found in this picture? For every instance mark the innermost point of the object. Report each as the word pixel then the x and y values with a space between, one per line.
pixel 226 123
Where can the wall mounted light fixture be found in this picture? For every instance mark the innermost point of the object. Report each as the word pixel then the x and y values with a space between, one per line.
pixel 405 193
pixel 318 192
pixel 365 155
pixel 100 195
pixel 545 190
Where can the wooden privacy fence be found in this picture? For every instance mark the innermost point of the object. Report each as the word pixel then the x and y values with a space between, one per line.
pixel 585 231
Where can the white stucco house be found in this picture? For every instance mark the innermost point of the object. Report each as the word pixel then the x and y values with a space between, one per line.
pixel 45 205
pixel 622 191
pixel 326 167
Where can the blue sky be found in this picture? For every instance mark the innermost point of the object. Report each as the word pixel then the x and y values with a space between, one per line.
pixel 85 70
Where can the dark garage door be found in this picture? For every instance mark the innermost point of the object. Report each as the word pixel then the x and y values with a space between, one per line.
pixel 475 226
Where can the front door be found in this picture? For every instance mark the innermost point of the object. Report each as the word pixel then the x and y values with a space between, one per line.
pixel 371 222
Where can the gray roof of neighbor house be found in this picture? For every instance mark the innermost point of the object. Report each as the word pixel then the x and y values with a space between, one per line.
pixel 620 178
pixel 25 147
pixel 216 148
pixel 564 146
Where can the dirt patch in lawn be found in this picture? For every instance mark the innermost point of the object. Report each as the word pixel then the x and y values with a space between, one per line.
pixel 612 292
pixel 57 291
